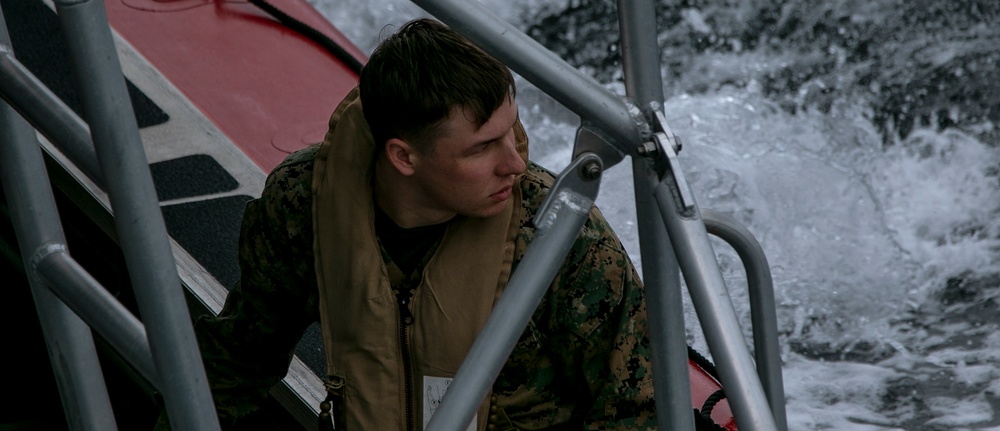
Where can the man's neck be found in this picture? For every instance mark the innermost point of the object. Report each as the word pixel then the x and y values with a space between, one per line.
pixel 397 198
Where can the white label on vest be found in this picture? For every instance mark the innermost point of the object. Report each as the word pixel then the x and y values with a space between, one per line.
pixel 434 389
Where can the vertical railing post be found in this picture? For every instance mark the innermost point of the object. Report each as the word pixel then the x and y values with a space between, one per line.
pixel 643 81
pixel 138 220
pixel 36 220
pixel 661 273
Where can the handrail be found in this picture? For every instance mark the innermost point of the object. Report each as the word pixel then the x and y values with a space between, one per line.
pixel 138 220
pixel 763 314
pixel 164 349
pixel 96 306
pixel 33 210
pixel 661 267
pixel 48 114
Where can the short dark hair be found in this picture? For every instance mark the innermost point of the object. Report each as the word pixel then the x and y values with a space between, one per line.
pixel 414 79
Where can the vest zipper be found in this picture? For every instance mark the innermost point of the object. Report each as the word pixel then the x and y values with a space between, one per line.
pixel 403 297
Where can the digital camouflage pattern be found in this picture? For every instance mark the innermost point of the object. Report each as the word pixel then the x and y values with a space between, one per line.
pixel 583 362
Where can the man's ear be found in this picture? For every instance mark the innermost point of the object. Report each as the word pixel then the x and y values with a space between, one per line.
pixel 401 155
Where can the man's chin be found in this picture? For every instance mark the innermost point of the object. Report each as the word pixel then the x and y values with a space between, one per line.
pixel 491 211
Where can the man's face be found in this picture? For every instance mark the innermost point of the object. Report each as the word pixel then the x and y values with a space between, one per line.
pixel 470 170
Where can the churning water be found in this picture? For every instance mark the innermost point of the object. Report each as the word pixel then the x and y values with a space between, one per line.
pixel 884 246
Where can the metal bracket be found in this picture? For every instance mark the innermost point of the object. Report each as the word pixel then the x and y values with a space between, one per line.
pixel 662 151
pixel 590 140
pixel 575 191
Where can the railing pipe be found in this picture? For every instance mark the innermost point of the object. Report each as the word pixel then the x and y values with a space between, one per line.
pixel 661 274
pixel 578 92
pixel 664 301
pixel 69 341
pixel 763 313
pixel 557 224
pixel 138 220
pixel 92 302
pixel 640 53
pixel 48 114
pixel 716 312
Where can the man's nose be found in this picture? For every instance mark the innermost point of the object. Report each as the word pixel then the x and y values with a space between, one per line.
pixel 512 164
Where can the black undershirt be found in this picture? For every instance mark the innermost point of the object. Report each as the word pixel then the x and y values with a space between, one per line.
pixel 406 247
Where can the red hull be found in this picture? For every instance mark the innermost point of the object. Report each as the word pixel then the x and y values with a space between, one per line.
pixel 282 85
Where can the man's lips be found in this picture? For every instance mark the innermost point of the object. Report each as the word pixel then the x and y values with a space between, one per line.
pixel 503 194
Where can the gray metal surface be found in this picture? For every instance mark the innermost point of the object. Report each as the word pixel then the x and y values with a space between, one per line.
pixel 91 301
pixel 716 314
pixel 661 275
pixel 763 314
pixel 138 220
pixel 47 113
pixel 661 280
pixel 67 338
pixel 32 206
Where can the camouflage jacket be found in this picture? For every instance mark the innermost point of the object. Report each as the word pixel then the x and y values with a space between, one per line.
pixel 582 363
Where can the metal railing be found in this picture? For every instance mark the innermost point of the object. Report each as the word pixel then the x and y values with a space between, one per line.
pixel 675 231
pixel 163 347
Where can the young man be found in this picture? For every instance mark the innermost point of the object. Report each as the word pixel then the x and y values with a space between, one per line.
pixel 398 233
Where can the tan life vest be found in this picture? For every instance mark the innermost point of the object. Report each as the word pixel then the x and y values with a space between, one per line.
pixel 360 315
